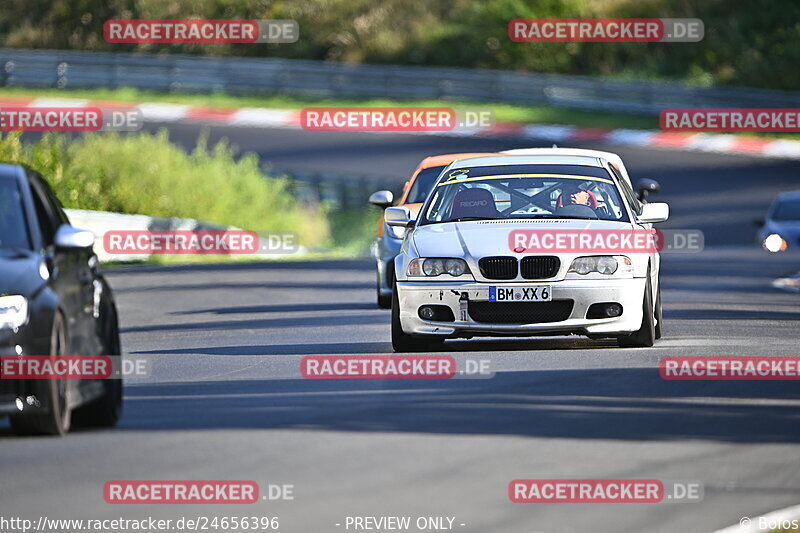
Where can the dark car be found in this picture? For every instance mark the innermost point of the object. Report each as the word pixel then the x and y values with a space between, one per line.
pixel 780 230
pixel 53 301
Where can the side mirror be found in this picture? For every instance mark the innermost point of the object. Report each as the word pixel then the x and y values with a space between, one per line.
pixel 652 213
pixel 646 186
pixel 381 198
pixel 397 216
pixel 70 237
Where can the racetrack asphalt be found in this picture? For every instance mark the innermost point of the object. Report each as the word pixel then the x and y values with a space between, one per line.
pixel 225 401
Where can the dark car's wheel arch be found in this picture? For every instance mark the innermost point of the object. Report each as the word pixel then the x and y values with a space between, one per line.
pixel 106 410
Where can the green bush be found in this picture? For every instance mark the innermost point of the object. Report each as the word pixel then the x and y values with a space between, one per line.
pixel 146 174
pixel 353 231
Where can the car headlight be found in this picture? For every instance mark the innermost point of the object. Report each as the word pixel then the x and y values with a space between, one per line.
pixel 395 232
pixel 13 311
pixel 775 243
pixel 601 264
pixel 434 266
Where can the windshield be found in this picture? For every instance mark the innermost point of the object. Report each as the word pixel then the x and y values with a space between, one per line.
pixel 526 191
pixel 423 184
pixel 13 229
pixel 787 210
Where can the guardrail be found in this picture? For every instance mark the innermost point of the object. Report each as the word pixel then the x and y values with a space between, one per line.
pixel 340 191
pixel 236 75
pixel 99 222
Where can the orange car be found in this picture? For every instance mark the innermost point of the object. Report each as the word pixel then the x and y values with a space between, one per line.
pixel 390 238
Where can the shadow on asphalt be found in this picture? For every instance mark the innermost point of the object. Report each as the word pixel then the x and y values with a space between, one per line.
pixel 356 348
pixel 283 308
pixel 235 286
pixel 264 323
pixel 239 266
pixel 730 314
pixel 617 404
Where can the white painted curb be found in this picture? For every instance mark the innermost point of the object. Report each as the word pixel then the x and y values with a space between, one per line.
pixel 720 143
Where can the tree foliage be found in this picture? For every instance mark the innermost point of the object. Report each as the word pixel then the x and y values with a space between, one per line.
pixel 754 43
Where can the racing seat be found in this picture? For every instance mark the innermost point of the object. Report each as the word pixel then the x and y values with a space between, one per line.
pixel 474 203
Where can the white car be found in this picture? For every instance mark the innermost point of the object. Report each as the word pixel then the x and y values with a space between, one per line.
pixel 459 273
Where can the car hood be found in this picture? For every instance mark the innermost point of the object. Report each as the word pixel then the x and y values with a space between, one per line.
pixel 482 238
pixel 19 272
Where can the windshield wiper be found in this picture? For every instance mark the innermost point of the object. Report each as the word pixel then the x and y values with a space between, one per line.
pixel 466 219
pixel 564 217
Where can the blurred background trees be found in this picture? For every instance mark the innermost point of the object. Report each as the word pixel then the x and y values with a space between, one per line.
pixel 754 43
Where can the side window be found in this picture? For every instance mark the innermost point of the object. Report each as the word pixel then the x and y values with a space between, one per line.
pixel 627 191
pixel 48 213
pixel 45 221
pixel 52 202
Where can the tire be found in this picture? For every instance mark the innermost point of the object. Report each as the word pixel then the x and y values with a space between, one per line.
pixel 659 314
pixel 384 300
pixel 402 342
pixel 106 410
pixel 646 335
pixel 58 417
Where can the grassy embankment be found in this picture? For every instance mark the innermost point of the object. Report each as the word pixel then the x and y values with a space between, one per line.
pixel 146 174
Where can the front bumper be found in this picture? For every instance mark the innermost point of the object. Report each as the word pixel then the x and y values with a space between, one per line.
pixel 628 292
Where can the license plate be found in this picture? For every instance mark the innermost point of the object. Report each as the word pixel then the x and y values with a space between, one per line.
pixel 539 293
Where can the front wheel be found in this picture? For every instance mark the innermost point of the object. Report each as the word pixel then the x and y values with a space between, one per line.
pixel 58 416
pixel 645 336
pixel 401 341
pixel 384 300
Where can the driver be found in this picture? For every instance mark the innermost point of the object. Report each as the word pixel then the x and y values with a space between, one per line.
pixel 577 194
